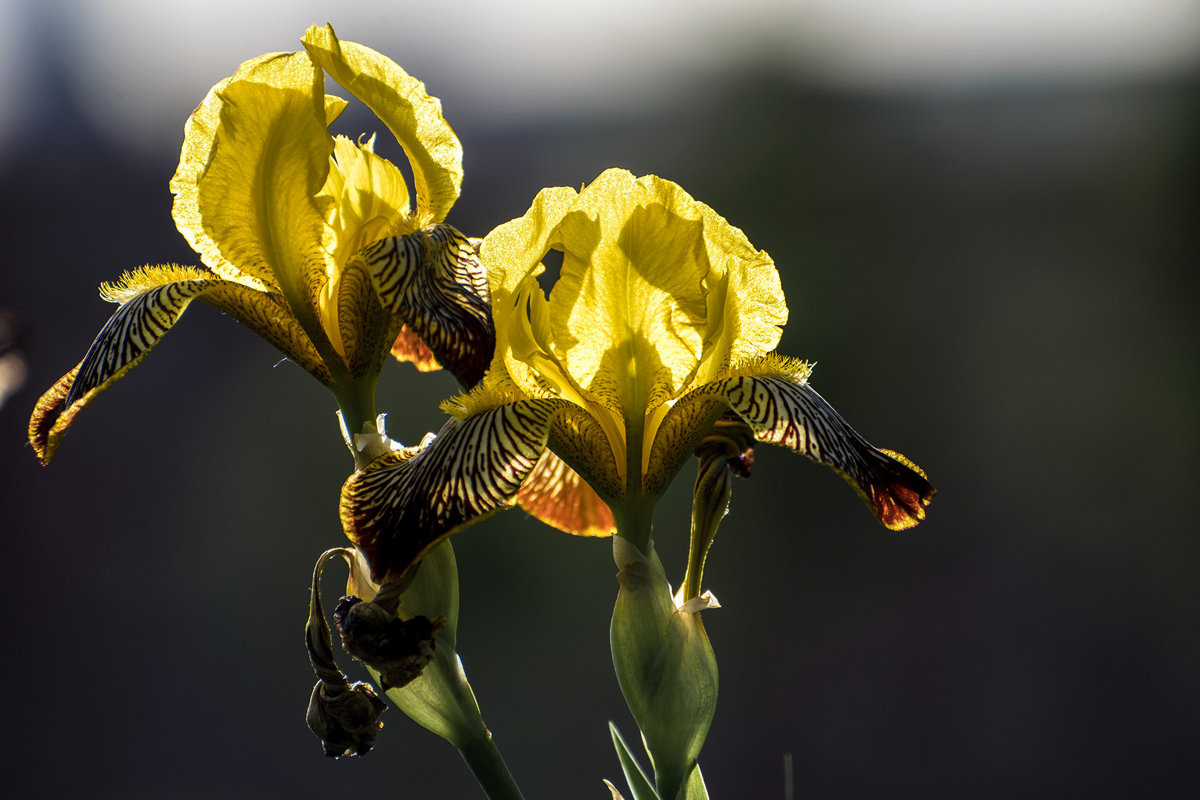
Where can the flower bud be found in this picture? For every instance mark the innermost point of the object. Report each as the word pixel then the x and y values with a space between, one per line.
pixel 346 718
pixel 665 666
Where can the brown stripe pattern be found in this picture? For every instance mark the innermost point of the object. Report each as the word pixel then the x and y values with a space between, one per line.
pixel 131 332
pixel 792 414
pixel 401 505
pixel 434 281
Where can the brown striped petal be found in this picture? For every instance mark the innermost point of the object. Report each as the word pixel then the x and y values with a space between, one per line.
pixel 152 299
pixel 405 502
pixel 433 280
pixel 781 408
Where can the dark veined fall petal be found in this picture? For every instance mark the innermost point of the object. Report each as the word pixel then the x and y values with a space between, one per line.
pixel 787 411
pixel 405 502
pixel 152 299
pixel 433 280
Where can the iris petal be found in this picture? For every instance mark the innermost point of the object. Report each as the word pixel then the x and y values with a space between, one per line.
pixel 434 282
pixel 403 503
pixel 410 113
pixel 255 156
pixel 559 497
pixel 152 299
pixel 773 397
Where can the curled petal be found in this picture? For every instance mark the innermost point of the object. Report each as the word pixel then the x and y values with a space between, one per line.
pixel 364 330
pixel 199 145
pixel 773 397
pixel 403 503
pixel 152 299
pixel 251 176
pixel 410 113
pixel 433 280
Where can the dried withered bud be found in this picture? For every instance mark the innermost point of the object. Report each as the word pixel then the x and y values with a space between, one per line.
pixel 397 648
pixel 345 718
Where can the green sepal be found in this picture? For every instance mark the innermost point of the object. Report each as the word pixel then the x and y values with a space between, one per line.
pixel 434 592
pixel 441 699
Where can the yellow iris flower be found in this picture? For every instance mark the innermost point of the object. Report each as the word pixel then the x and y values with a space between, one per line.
pixel 309 239
pixel 663 319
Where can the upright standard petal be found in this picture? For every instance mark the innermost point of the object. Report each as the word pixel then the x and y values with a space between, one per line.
pixel 268 158
pixel 410 113
pixel 199 144
pixel 658 294
pixel 152 299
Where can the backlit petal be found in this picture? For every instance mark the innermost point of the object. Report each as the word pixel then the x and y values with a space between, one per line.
pixel 558 496
pixel 410 113
pixel 152 299
pixel 774 398
pixel 369 197
pixel 409 347
pixel 258 155
pixel 434 282
pixel 199 145
pixel 403 503
pixel 512 255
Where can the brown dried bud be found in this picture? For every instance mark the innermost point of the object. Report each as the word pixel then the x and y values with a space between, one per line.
pixel 397 648
pixel 346 718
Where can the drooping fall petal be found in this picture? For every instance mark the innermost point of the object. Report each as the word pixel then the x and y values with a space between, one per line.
pixel 403 503
pixel 773 397
pixel 434 282
pixel 410 113
pixel 151 300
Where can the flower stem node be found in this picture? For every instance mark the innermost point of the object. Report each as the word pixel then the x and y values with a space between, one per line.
pixel 397 648
pixel 345 718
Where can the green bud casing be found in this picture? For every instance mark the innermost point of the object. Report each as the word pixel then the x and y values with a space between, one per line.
pixel 665 666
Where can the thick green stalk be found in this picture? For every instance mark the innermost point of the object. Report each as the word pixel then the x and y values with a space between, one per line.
pixel 489 769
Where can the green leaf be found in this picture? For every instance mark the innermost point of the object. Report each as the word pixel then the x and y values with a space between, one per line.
pixel 694 789
pixel 639 784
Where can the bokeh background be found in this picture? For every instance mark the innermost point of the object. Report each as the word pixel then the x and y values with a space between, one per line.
pixel 985 218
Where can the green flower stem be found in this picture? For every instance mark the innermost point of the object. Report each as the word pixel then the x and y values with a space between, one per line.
pixel 489 769
pixel 635 513
pixel 356 401
pixel 441 699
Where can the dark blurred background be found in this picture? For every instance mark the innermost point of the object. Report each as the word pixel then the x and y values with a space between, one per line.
pixel 988 240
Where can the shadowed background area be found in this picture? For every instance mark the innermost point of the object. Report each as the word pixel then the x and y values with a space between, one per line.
pixel 988 248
